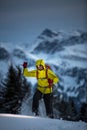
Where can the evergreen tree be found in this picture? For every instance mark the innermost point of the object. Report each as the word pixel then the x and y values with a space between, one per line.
pixel 1 99
pixel 65 109
pixel 83 112
pixel 71 111
pixel 16 88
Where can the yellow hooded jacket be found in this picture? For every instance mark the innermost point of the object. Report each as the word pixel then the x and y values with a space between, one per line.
pixel 42 80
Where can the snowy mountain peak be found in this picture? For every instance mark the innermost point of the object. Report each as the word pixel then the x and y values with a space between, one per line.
pixel 49 33
pixel 61 35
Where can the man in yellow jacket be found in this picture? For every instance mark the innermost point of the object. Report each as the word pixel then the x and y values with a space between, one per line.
pixel 45 79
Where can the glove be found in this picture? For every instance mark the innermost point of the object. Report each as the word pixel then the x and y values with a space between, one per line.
pixel 50 81
pixel 25 65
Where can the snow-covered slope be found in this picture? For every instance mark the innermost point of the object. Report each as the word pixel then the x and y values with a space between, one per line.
pixel 19 122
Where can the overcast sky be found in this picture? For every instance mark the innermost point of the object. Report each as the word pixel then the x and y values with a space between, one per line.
pixel 24 20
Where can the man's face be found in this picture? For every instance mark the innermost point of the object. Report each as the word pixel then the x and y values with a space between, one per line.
pixel 40 67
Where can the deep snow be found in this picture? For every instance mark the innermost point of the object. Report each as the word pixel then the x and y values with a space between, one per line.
pixel 21 122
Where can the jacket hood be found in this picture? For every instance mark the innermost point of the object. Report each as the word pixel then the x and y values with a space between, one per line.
pixel 40 62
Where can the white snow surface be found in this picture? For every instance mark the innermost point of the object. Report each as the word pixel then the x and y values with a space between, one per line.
pixel 21 122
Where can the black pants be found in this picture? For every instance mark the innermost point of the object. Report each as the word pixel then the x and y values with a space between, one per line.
pixel 47 100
